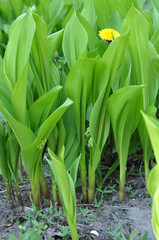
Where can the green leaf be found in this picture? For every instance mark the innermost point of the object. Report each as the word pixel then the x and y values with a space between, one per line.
pixel 55 13
pixel 3 162
pixel 19 97
pixel 17 54
pixel 92 36
pixel 153 188
pixel 40 60
pixel 23 134
pixel 13 152
pixel 41 108
pixel 75 40
pixel 88 12
pixel 32 153
pixel 17 6
pixel 31 235
pixel 124 6
pixel 139 48
pixel 152 125
pixel 133 234
pixel 53 42
pixel 5 93
pixel 156 4
pixel 145 140
pixel 104 9
pixel 67 190
pixel 115 52
pixel 125 115
pixel 80 91
pixel 153 181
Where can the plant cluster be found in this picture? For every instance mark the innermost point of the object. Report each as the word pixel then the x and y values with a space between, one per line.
pixel 63 90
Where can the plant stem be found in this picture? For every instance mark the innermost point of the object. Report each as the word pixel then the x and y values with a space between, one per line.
pixel 121 187
pixel 91 187
pixel 83 177
pixel 146 166
pixel 54 194
pixel 73 230
pixel 20 169
pixel 36 192
pixel 18 193
pixel 10 193
pixel 43 185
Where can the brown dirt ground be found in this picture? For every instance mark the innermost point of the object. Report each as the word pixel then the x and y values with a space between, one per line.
pixel 133 214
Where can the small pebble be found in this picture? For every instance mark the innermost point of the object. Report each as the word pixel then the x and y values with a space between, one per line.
pixel 94 232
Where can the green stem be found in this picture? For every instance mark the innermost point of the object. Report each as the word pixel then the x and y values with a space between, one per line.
pixel 83 174
pixel 36 192
pixel 73 230
pixel 91 186
pixel 43 185
pixel 121 187
pixel 54 194
pixel 20 169
pixel 9 188
pixel 146 166
pixel 18 193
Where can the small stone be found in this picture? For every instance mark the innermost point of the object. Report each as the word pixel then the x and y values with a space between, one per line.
pixel 94 232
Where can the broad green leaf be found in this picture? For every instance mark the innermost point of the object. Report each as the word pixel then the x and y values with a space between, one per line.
pixel 45 4
pixel 152 125
pixel 75 40
pixel 104 9
pixel 103 76
pixel 88 12
pixel 139 48
pixel 19 97
pixel 156 4
pixel 72 153
pixel 17 6
pixel 92 36
pixel 23 134
pixel 153 85
pixel 53 42
pixel 67 191
pixel 39 52
pixel 115 22
pixel 78 88
pixel 32 153
pixel 155 18
pixel 74 169
pixel 17 54
pixel 125 115
pixel 153 181
pixel 54 75
pixel 115 52
pixel 16 61
pixel 99 121
pixel 5 9
pixel 124 6
pixel 41 108
pixel 145 140
pixel 153 188
pixel 155 215
pixel 13 152
pixel 3 159
pixel 5 93
pixel 55 11
pixel 123 75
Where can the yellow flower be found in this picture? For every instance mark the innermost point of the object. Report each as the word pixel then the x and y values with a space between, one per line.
pixel 108 34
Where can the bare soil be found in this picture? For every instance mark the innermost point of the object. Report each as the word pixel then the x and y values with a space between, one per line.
pixel 103 217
